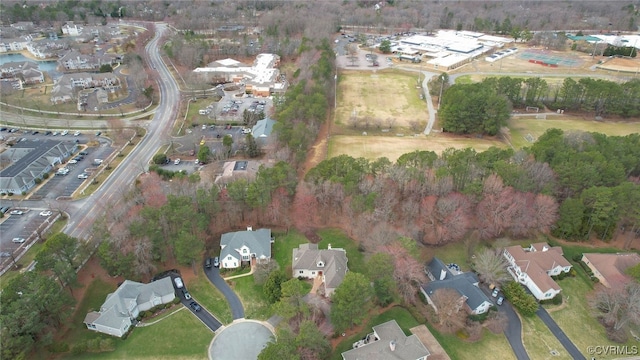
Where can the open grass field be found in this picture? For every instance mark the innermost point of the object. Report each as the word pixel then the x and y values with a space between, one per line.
pixel 520 127
pixel 491 346
pixel 381 95
pixel 392 147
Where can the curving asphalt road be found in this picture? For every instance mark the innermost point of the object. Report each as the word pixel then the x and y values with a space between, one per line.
pixel 237 310
pixel 513 332
pixel 204 315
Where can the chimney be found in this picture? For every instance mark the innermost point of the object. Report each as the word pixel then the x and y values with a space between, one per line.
pixel 249 228
pixel 329 247
pixel 443 274
pixel 545 248
pixel 392 345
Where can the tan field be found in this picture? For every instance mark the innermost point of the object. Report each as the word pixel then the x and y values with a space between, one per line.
pixel 521 127
pixel 379 95
pixel 391 147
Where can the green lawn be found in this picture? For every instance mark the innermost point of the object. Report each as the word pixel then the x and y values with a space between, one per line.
pixel 179 336
pixel 539 341
pixel 491 346
pixel 338 239
pixel 403 317
pixel 454 253
pixel 210 297
pixel 283 247
pixel 252 297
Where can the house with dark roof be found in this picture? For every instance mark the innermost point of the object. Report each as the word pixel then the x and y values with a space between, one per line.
pixel 122 307
pixel 245 246
pixel 30 160
pixel 466 284
pixel 25 72
pixel 330 265
pixel 534 266
pixel 610 268
pixel 387 342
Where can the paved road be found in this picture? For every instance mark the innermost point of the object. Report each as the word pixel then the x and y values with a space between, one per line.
pixel 513 332
pixel 237 310
pixel 559 334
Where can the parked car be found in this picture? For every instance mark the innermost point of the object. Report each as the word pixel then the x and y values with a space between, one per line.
pixel 45 213
pixel 500 300
pixel 207 263
pixel 98 133
pixel 178 283
pixel 77 133
pixel 495 292
pixel 216 262
pixel 176 162
pixel 186 294
pixel 47 133
pixel 4 254
pixel 246 131
pixel 16 212
pixel 18 240
pixel 194 305
pixel 73 161
pixel 83 153
pixel 4 209
pixel 97 161
pixel 65 132
pixel 83 176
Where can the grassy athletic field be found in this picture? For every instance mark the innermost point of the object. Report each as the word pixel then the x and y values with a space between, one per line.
pixel 521 127
pixel 381 95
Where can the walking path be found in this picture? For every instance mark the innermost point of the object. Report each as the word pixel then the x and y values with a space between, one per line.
pixel 143 324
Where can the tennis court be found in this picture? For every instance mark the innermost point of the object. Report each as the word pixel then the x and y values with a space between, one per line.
pixel 549 59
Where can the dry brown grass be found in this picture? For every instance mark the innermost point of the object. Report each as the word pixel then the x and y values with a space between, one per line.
pixel 380 95
pixel 392 147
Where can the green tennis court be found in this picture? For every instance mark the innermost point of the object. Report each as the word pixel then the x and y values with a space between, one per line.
pixel 549 58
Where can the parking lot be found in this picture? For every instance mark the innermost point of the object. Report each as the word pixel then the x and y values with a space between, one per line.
pixel 18 226
pixel 212 136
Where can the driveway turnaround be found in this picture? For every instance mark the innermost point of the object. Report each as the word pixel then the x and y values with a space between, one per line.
pixel 559 334
pixel 237 310
pixel 240 340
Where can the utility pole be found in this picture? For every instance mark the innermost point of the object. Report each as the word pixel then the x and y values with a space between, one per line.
pixel 441 87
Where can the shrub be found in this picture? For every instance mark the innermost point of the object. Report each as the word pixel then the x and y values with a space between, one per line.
pixel 38 181
pixel 525 303
pixel 3 194
pixel 480 317
pixel 45 175
pixel 557 300
pixel 58 347
pixel 462 334
pixel 79 348
pixel 176 300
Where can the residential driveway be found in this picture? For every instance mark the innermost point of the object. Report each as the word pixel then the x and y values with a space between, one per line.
pixel 242 340
pixel 237 310
pixel 559 334
pixel 513 332
pixel 204 315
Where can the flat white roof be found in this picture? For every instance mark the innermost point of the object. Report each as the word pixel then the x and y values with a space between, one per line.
pixel 449 60
pixel 228 62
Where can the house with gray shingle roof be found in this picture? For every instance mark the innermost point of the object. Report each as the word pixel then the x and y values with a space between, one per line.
pixel 30 160
pixel 386 342
pixel 123 306
pixel 329 264
pixel 466 284
pixel 245 246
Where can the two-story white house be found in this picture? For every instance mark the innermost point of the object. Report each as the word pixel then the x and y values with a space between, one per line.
pixel 534 266
pixel 245 246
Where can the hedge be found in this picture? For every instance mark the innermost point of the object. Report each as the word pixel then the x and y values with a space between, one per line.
pixel 525 303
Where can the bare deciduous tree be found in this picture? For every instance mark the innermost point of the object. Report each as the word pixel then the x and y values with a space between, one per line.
pixel 620 306
pixel 450 313
pixel 491 267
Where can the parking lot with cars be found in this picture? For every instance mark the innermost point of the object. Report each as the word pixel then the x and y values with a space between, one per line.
pixel 17 226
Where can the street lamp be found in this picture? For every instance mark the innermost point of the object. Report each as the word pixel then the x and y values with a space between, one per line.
pixel 441 87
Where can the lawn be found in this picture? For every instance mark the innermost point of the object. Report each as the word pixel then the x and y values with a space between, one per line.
pixel 338 239
pixel 252 297
pixel 283 248
pixel 521 127
pixel 392 147
pixel 210 297
pixel 404 319
pixel 179 336
pixel 539 341
pixel 383 95
pixel 491 346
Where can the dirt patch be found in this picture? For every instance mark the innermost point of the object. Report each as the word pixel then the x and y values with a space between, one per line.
pixel 89 272
pixel 312 236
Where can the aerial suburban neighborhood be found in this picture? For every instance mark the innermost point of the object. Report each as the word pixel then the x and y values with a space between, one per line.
pixel 345 180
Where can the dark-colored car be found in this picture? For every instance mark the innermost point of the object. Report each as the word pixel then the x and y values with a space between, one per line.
pixel 207 263
pixel 194 305
pixel 35 132
pixel 83 153
pixel 48 133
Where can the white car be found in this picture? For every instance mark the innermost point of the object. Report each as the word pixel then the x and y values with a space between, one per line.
pixel 246 131
pixel 204 127
pixel 18 240
pixel 45 213
pixel 176 162
pixel 77 133
pixel 16 212
pixel 65 132
pixel 97 161
pixel 83 176
pixel 55 133
pixel 73 161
